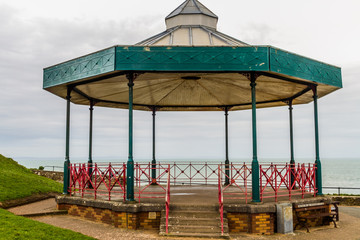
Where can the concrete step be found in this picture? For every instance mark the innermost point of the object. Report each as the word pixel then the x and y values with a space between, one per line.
pixel 192 207
pixel 193 229
pixel 200 235
pixel 190 220
pixel 194 221
pixel 39 214
pixel 194 214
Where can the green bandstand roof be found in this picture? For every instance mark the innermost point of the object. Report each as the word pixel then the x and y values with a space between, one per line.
pixel 194 78
pixel 191 67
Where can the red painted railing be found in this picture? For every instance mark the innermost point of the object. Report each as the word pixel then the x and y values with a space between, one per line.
pixel 98 180
pixel 221 200
pixel 147 187
pixel 286 180
pixel 239 181
pixel 109 180
pixel 193 173
pixel 167 200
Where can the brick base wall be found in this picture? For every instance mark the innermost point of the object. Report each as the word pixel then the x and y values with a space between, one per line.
pixel 258 223
pixel 314 221
pixel 140 220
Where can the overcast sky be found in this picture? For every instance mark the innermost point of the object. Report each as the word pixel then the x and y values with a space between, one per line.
pixel 38 33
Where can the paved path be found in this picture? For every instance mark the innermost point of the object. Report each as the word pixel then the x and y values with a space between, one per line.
pixel 352 211
pixel 44 206
pixel 348 226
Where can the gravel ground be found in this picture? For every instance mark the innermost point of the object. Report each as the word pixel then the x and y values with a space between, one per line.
pixel 348 226
pixel 348 229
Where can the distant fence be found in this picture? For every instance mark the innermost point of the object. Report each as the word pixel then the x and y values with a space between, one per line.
pixel 342 188
pixel 54 168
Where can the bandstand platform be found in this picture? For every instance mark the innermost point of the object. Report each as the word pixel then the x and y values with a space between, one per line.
pixel 180 202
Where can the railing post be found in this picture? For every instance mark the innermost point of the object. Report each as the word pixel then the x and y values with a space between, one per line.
pixel 317 148
pixel 67 144
pixel 255 164
pixel 96 172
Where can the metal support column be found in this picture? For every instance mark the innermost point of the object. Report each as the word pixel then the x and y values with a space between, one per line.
pixel 153 162
pixel 130 162
pixel 255 174
pixel 292 158
pixel 317 148
pixel 67 144
pixel 227 170
pixel 90 162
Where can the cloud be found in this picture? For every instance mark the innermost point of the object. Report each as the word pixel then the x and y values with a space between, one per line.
pixel 33 120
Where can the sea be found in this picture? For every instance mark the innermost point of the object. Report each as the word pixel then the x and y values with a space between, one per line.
pixel 339 175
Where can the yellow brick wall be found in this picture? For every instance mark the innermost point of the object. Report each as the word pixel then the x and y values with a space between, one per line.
pixel 238 222
pixel 260 223
pixel 146 223
pixel 139 220
pixel 263 223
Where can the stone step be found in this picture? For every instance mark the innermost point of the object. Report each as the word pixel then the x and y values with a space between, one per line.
pixel 198 235
pixel 39 214
pixel 189 220
pixel 192 207
pixel 194 221
pixel 194 214
pixel 192 229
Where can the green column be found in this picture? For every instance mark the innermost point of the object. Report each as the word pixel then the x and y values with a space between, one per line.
pixel 67 144
pixel 292 158
pixel 130 163
pixel 255 164
pixel 90 162
pixel 317 148
pixel 153 170
pixel 227 170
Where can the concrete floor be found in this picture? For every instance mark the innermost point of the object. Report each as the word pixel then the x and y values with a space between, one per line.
pixel 199 194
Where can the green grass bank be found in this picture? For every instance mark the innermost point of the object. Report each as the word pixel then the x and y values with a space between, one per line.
pixel 15 227
pixel 19 182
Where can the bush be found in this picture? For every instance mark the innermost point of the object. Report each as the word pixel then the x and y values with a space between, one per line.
pixel 41 168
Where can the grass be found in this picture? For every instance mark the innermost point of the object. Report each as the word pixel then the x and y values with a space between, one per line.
pixel 15 227
pixel 19 182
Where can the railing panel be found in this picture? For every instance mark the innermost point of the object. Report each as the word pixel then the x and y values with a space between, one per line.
pixel 239 181
pixel 105 180
pixel 147 187
pixel 286 180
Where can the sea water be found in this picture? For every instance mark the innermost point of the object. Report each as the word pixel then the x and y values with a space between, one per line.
pixel 343 173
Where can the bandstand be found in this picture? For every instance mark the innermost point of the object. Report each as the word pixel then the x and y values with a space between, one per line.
pixel 189 67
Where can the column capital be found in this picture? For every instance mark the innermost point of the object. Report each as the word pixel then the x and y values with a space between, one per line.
pixel 252 76
pixel 131 77
pixel 68 93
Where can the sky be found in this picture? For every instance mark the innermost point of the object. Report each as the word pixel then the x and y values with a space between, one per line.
pixel 37 34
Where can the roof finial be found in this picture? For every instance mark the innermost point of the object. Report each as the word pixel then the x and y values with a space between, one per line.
pixel 191 12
